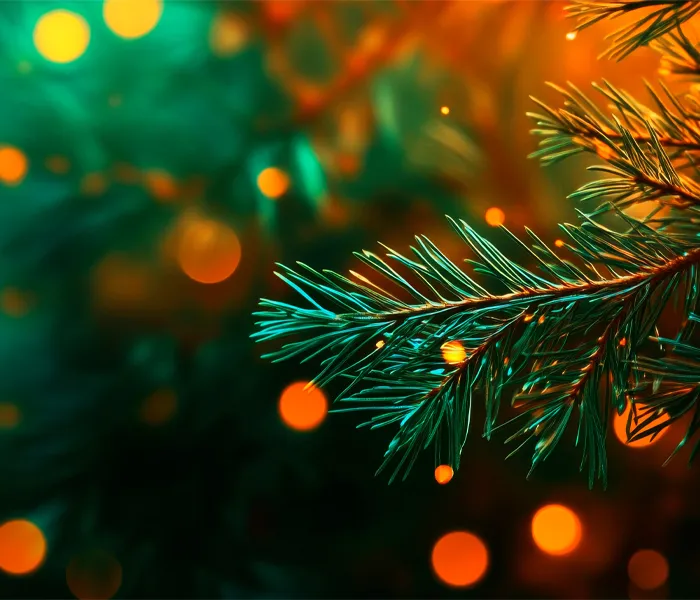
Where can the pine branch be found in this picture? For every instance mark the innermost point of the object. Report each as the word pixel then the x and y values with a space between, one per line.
pixel 679 55
pixel 666 16
pixel 667 386
pixel 640 146
pixel 530 335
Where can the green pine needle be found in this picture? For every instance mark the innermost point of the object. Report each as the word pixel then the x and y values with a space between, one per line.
pixel 663 17
pixel 527 337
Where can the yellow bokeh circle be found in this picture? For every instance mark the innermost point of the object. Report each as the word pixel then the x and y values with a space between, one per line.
pixel 132 19
pixel 61 36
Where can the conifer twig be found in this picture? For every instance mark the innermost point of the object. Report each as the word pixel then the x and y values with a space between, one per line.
pixel 663 18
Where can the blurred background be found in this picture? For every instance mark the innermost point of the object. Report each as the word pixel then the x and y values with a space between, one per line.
pixel 157 157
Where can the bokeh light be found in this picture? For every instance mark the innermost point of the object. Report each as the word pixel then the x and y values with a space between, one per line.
pixel 208 251
pixel 648 569
pixel 9 415
pixel 228 34
pixel 453 352
pixel 159 407
pixel 61 36
pixel 495 217
pixel 556 529
pixel 93 184
pixel 22 547
pixel 13 165
pixel 571 36
pixel 273 182
pixel 58 164
pixel 161 185
pixel 444 474
pixel 445 110
pixel 132 19
pixel 94 575
pixel 460 559
pixel 620 427
pixel 302 409
pixel 13 302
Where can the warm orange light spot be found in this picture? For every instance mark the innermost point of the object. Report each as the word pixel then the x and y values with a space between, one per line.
pixel 453 353
pixel 280 12
pixel 9 415
pixel 273 182
pixel 208 251
pixel 302 409
pixel 94 575
pixel 648 569
pixel 61 36
pixel 132 19
pixel 460 559
pixel 228 34
pixel 13 165
pixel 347 163
pixel 93 184
pixel 14 303
pixel 559 243
pixel 161 185
pixel 571 36
pixel 623 342
pixel 445 110
pixel 126 173
pixel 159 407
pixel 540 320
pixel 528 318
pixel 495 217
pixel 620 426
pixel 58 164
pixel 380 344
pixel 121 284
pixel 664 72
pixel 556 529
pixel 443 474
pixel 22 547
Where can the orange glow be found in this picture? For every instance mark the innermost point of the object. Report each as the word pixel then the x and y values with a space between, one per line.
pixel 61 36
pixel 495 217
pixel 9 415
pixel 443 474
pixel 380 344
pixel 571 36
pixel 94 576
pixel 58 164
pixel 22 547
pixel 208 251
pixel 159 407
pixel 302 409
pixel 453 353
pixel 273 182
pixel 160 184
pixel 132 19
pixel 93 184
pixel 126 173
pixel 559 243
pixel 556 529
pixel 445 110
pixel 13 302
pixel 540 320
pixel 228 34
pixel 648 569
pixel 623 342
pixel 13 165
pixel 620 426
pixel 460 559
